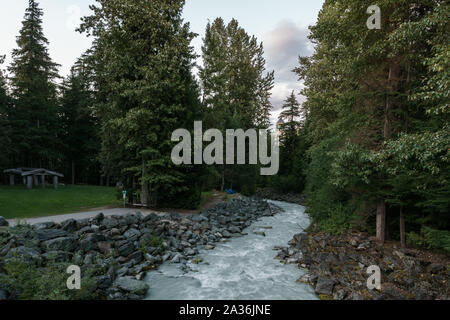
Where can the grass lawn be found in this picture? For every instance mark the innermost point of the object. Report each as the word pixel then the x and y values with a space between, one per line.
pixel 18 202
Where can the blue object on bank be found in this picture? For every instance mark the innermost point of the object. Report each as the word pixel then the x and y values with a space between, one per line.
pixel 230 191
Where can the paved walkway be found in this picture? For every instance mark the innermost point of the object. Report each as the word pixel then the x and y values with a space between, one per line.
pixel 81 215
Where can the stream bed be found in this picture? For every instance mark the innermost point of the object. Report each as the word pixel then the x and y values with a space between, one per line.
pixel 241 268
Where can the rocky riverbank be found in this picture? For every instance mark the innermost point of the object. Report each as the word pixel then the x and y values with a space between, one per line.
pixel 337 267
pixel 119 250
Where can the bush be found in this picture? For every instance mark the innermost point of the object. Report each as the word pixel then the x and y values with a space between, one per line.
pixel 339 220
pixel 431 239
pixel 28 282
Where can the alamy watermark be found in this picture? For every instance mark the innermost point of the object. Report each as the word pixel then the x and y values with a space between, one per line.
pixel 214 152
pixel 374 281
pixel 74 281
pixel 374 21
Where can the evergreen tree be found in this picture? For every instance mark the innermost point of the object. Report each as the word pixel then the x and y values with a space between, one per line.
pixel 34 118
pixel 236 89
pixel 365 91
pixel 289 127
pixel 5 129
pixel 79 127
pixel 145 90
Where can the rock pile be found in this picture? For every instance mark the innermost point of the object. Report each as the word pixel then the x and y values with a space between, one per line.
pixel 121 249
pixel 337 268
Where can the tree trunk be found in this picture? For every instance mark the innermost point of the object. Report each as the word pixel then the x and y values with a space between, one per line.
pixel 73 172
pixel 381 220
pixel 392 85
pixel 402 229
pixel 144 187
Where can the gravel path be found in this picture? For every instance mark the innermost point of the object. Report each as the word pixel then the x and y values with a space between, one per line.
pixel 81 215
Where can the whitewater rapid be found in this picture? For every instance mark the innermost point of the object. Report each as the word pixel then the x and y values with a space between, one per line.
pixel 242 268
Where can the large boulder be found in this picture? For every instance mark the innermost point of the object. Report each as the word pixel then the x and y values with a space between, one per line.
pixel 126 249
pixel 132 234
pixel 68 244
pixel 49 234
pixel 325 286
pixel 70 225
pixel 131 285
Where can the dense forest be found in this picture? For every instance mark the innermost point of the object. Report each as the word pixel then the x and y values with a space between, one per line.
pixel 369 148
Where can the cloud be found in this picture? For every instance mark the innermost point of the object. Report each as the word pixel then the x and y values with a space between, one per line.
pixel 283 45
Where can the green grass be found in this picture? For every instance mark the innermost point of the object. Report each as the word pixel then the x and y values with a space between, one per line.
pixel 18 202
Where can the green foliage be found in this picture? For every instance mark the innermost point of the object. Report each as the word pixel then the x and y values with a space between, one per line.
pixel 236 92
pixel 151 241
pixel 34 118
pixel 339 218
pixel 28 282
pixel 141 60
pixel 431 239
pixel 376 113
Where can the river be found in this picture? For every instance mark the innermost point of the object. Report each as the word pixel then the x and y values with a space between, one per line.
pixel 243 268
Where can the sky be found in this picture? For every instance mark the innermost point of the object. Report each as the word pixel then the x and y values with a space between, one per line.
pixel 282 26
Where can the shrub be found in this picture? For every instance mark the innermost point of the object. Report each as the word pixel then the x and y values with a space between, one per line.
pixel 28 282
pixel 339 220
pixel 431 239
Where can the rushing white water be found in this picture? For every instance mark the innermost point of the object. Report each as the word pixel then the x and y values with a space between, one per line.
pixel 242 269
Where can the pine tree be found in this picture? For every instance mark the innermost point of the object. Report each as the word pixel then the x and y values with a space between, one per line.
pixel 79 126
pixel 292 148
pixel 361 86
pixel 5 129
pixel 145 90
pixel 236 89
pixel 34 115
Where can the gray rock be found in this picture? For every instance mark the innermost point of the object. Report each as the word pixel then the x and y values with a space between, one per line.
pixel 126 249
pixel 226 234
pixel 3 222
pixel 339 295
pixel 98 218
pixel 58 256
pixel 325 286
pixel 28 255
pixel 132 234
pixel 68 244
pixel 260 233
pixel 110 223
pixel 104 282
pixel 199 218
pixel 131 285
pixel 43 225
pixel 49 234
pixel 177 259
pixel 91 241
pixel 136 256
pixel 70 225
